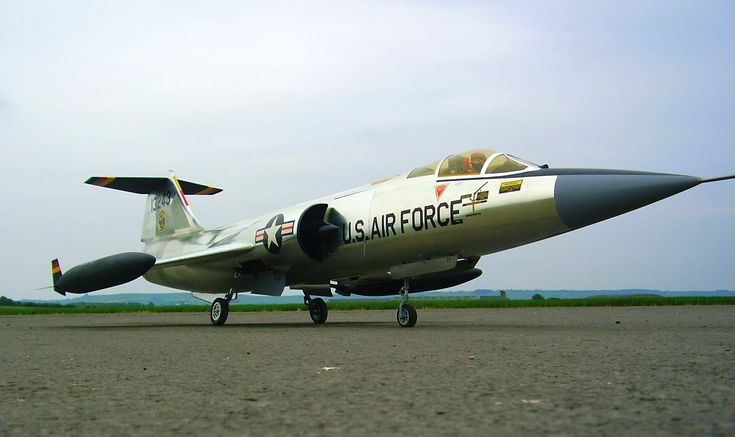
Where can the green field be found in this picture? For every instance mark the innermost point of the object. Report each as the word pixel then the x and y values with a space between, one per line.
pixel 380 305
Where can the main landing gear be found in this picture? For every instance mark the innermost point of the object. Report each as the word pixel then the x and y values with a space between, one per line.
pixel 406 314
pixel 317 309
pixel 220 309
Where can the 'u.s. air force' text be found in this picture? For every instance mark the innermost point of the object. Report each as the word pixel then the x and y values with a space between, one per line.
pixel 417 219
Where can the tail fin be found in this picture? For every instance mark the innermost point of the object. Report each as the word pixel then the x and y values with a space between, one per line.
pixel 167 210
pixel 56 274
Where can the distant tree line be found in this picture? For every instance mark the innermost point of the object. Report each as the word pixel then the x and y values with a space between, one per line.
pixel 7 302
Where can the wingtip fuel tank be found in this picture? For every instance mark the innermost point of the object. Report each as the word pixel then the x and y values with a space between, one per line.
pixel 101 273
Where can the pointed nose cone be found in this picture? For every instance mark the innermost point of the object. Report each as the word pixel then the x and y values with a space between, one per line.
pixel 583 199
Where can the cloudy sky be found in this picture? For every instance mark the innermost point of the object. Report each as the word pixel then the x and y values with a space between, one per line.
pixel 280 102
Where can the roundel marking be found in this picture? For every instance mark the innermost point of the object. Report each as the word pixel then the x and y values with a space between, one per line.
pixel 271 235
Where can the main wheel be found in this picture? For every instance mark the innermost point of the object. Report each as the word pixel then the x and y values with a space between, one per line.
pixel 318 311
pixel 406 315
pixel 218 312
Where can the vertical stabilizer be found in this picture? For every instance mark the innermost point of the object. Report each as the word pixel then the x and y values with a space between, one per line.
pixel 167 211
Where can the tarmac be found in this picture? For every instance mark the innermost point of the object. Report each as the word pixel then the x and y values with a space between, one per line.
pixel 571 371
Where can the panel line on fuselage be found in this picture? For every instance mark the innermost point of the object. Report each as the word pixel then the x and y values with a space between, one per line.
pixel 549 172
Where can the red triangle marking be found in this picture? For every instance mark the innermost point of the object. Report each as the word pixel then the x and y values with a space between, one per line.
pixel 439 190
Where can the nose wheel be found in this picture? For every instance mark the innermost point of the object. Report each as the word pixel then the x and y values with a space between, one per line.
pixel 317 309
pixel 406 315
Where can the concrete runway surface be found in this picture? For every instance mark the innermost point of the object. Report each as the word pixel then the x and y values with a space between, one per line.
pixel 636 370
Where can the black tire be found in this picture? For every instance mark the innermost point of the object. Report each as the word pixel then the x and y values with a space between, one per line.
pixel 218 311
pixel 318 311
pixel 406 316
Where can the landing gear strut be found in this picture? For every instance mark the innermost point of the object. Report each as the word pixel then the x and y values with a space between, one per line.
pixel 220 309
pixel 406 314
pixel 317 309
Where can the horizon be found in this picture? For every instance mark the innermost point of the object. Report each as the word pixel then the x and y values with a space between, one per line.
pixel 70 298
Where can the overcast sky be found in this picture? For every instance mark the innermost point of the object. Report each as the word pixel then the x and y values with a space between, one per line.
pixel 281 102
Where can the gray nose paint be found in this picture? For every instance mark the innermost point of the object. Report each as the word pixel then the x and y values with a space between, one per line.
pixel 584 199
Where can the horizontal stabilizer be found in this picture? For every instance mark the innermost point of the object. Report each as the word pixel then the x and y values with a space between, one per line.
pixel 215 253
pixel 141 185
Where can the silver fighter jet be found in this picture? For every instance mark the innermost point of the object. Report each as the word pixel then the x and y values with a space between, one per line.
pixel 423 230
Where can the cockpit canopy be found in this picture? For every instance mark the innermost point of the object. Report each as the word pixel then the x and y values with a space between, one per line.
pixel 474 162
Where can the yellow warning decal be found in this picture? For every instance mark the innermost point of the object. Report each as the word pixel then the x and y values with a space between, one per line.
pixel 509 187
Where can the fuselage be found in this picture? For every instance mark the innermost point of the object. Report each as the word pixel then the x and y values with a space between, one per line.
pixel 413 218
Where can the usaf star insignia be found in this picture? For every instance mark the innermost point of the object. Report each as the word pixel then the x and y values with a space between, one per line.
pixel 271 235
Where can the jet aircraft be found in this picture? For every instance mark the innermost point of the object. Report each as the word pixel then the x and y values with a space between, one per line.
pixel 423 230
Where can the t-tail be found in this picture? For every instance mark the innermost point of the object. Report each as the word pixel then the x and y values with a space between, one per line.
pixel 167 211
pixel 167 215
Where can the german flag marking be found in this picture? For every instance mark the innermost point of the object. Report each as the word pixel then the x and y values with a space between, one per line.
pixel 207 191
pixel 102 182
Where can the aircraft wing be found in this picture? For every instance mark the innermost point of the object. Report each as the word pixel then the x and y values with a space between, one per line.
pixel 216 253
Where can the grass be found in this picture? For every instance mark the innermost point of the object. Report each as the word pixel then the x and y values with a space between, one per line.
pixel 388 304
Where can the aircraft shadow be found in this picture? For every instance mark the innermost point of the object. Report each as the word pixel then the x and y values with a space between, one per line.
pixel 257 325
pixel 374 325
